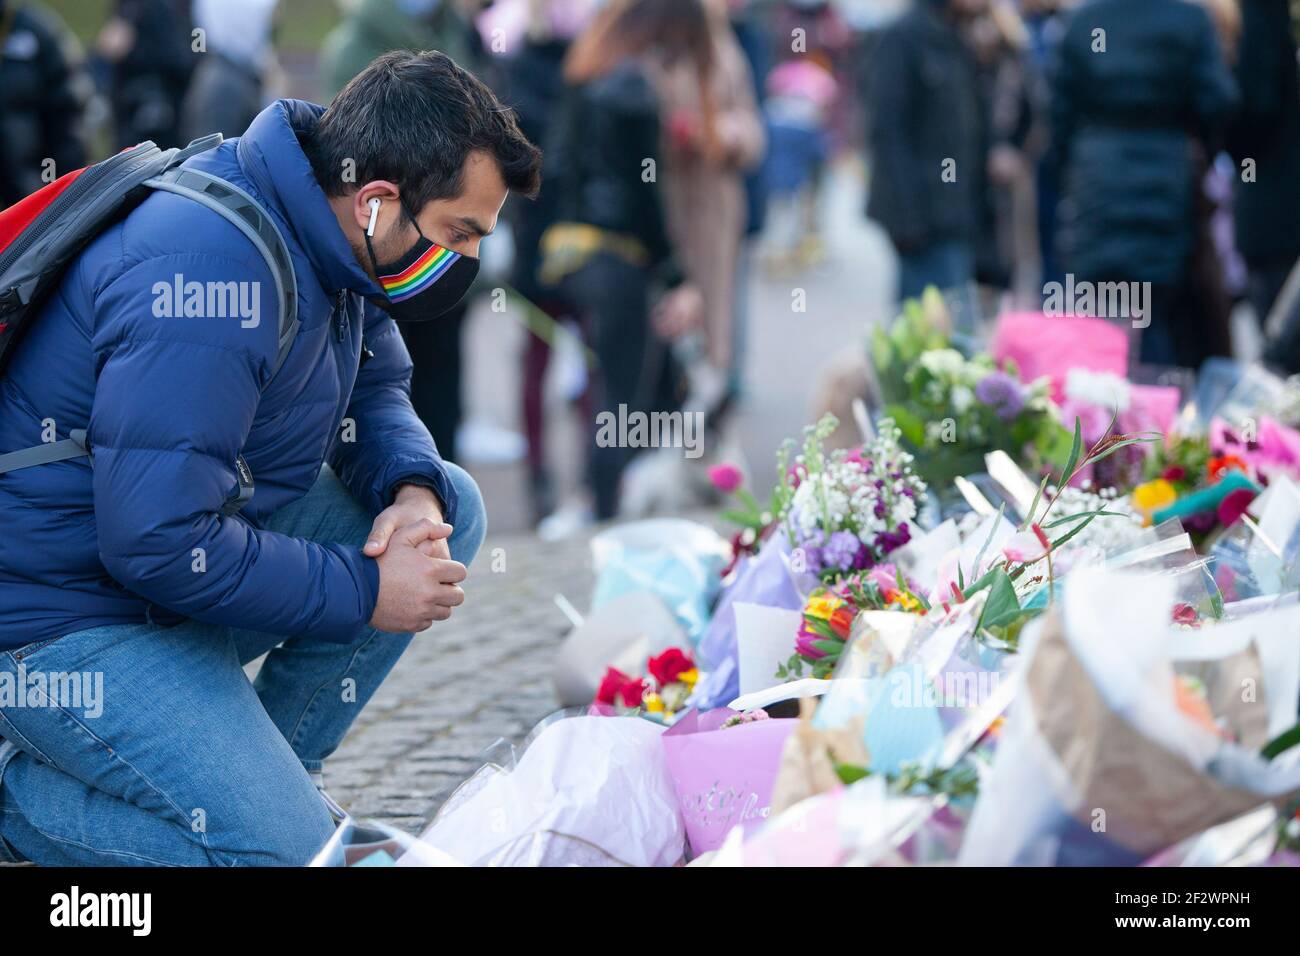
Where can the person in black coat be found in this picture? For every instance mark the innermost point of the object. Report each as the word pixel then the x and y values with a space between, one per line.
pixel 534 87
pixel 1140 98
pixel 40 105
pixel 608 246
pixel 1266 138
pixel 927 167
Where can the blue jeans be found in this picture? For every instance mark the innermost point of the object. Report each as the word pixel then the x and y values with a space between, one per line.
pixel 172 757
pixel 949 266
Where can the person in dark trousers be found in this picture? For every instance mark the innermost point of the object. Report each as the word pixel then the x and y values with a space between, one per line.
pixel 1140 97
pixel 131 565
pixel 925 147
pixel 533 84
pixel 150 54
pixel 40 104
pixel 1265 142
pixel 609 245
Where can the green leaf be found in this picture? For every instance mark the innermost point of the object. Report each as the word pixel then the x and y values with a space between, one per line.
pixel 989 540
pixel 909 424
pixel 850 774
pixel 1076 448
pixel 1122 443
pixel 1002 606
pixel 1084 514
pixel 1073 531
pixel 1281 743
pixel 1033 508
pixel 829 648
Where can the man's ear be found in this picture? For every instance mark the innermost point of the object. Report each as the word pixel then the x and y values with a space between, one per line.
pixel 387 193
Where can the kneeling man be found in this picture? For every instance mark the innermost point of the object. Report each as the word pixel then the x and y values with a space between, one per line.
pixel 144 576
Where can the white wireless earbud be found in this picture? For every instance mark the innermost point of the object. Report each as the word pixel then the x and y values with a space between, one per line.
pixel 374 213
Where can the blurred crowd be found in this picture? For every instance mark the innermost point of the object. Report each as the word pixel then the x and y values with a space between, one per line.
pixel 1007 145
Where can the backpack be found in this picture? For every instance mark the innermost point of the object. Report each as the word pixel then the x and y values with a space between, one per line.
pixel 42 234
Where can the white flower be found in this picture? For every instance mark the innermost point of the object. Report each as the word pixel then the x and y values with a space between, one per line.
pixel 962 397
pixel 1098 388
pixel 943 363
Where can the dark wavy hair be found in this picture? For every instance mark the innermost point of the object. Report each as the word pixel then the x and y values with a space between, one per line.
pixel 413 118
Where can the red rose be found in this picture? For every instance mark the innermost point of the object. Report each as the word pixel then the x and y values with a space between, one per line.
pixel 616 687
pixel 670 665
pixel 1184 614
pixel 1174 473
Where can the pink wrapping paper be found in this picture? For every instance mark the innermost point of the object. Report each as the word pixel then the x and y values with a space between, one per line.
pixel 1052 345
pixel 1151 408
pixel 723 777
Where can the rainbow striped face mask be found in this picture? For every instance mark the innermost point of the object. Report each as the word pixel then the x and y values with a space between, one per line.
pixel 424 283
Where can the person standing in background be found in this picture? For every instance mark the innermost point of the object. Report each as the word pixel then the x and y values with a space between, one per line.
pixel 372 28
pixel 1128 125
pixel 227 88
pixel 1045 24
pixel 148 49
pixel 610 246
pixel 755 43
pixel 704 188
pixel 40 101
pixel 532 73
pixel 1265 139
pixel 925 147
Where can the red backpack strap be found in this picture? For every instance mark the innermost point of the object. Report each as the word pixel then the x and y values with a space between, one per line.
pixel 21 214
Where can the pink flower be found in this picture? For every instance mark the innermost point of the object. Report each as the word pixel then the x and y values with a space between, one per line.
pixel 1026 547
pixel 884 577
pixel 1184 614
pixel 726 477
pixel 1234 505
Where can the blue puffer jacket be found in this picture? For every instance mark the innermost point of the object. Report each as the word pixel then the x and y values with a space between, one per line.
pixel 172 401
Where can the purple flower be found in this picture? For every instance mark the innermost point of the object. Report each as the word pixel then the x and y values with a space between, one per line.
pixel 1002 393
pixel 889 541
pixel 841 550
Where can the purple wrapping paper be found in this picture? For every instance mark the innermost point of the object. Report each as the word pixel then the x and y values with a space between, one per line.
pixel 723 778
pixel 763 578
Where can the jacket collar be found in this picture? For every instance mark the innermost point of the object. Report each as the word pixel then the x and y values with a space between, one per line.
pixel 271 156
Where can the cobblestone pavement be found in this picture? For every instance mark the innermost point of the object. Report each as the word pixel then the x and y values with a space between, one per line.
pixel 464 684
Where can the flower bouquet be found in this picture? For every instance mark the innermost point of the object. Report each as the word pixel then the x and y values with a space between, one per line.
pixel 846 511
pixel 952 409
pixel 660 697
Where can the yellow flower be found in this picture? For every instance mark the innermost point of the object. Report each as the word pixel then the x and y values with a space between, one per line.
pixel 653 703
pixel 823 605
pixel 906 601
pixel 1150 497
pixel 689 677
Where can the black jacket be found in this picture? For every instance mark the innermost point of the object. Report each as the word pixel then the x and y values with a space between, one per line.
pixel 1267 130
pixel 1131 126
pixel 39 104
pixel 598 161
pixel 924 110
pixel 534 87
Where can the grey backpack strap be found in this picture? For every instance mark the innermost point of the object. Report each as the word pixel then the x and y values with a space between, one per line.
pixel 43 454
pixel 244 213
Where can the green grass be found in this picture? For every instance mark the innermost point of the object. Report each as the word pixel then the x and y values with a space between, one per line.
pixel 301 24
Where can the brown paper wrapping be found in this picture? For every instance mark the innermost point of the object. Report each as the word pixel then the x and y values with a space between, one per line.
pixel 809 757
pixel 1152 798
